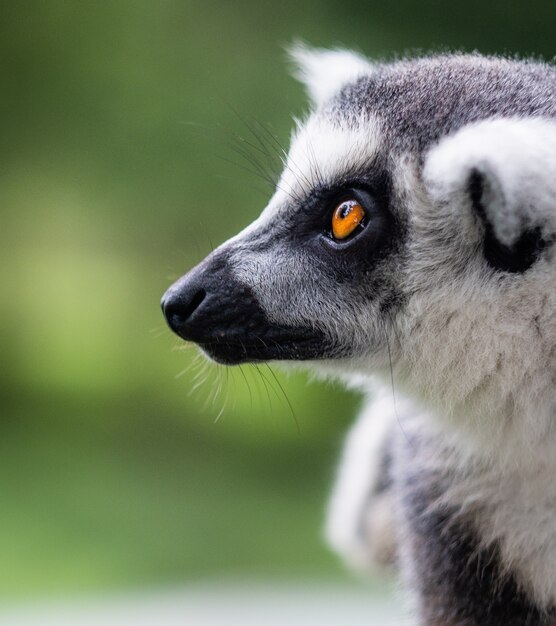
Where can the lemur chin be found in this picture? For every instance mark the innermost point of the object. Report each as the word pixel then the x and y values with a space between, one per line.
pixel 411 237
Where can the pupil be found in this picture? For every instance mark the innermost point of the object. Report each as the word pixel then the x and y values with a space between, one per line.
pixel 346 209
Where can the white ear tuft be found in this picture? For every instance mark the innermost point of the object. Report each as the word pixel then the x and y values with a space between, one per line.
pixel 324 72
pixel 516 159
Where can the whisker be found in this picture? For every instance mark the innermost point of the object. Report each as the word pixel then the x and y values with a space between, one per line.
pixel 265 381
pixel 248 388
pixel 244 152
pixel 285 397
pixel 226 396
pixel 157 333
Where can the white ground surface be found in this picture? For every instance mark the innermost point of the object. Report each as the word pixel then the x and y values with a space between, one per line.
pixel 221 605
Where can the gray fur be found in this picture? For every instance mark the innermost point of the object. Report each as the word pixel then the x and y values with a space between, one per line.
pixel 421 100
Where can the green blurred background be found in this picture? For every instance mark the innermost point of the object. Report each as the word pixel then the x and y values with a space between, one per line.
pixel 117 175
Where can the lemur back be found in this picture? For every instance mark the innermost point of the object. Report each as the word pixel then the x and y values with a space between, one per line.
pixel 409 249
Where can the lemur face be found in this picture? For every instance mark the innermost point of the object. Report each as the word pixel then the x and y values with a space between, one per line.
pixel 313 277
pixel 412 198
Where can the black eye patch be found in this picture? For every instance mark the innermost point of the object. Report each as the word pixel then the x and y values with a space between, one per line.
pixel 313 214
pixel 375 234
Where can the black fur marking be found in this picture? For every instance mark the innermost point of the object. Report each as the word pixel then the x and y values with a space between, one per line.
pixel 459 582
pixel 516 259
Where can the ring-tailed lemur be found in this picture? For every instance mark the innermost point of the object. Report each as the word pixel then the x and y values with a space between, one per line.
pixel 409 245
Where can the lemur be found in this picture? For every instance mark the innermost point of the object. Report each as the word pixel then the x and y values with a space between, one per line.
pixel 408 249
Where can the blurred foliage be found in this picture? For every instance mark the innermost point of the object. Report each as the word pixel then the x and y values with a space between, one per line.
pixel 116 176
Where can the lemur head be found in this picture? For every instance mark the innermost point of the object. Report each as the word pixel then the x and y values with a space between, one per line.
pixel 412 229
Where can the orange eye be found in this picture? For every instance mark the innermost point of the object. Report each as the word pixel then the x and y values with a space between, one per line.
pixel 346 218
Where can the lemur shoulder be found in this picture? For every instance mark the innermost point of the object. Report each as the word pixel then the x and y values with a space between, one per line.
pixel 409 246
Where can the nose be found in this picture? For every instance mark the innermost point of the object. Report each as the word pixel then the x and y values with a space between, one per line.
pixel 179 305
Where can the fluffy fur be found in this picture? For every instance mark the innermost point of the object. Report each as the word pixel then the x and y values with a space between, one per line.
pixel 447 298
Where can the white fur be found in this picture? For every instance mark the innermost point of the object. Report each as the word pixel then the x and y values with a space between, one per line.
pixel 346 527
pixel 324 150
pixel 325 72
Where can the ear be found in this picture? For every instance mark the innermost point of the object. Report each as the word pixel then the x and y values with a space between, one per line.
pixel 505 169
pixel 325 72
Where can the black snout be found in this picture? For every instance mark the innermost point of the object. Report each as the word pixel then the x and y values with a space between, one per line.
pixel 179 305
pixel 182 304
pixel 210 307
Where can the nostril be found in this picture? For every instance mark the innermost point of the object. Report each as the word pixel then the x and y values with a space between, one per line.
pixel 193 305
pixel 178 310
